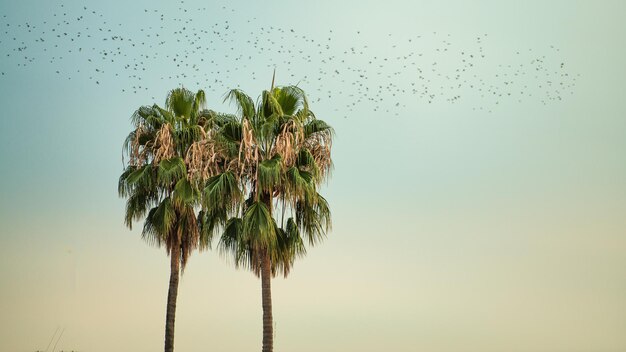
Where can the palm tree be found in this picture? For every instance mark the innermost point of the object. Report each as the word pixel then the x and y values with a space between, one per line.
pixel 262 169
pixel 156 184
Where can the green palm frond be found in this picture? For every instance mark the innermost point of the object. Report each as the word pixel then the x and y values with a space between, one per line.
pixel 199 102
pixel 206 119
pixel 162 116
pixel 306 162
pixel 159 222
pixel 293 239
pixel 127 146
pixel 267 129
pixel 259 226
pixel 209 223
pixel 123 188
pixel 170 171
pixel 291 98
pixel 232 242
pixel 221 119
pixel 145 115
pixel 137 205
pixel 210 119
pixel 269 173
pixel 270 106
pixel 189 134
pixel 313 218
pixel 304 115
pixel 185 136
pixel 185 194
pixel 180 102
pixel 136 178
pixel 229 149
pixel 290 247
pixel 298 184
pixel 287 101
pixel 245 105
pixel 232 131
pixel 222 191
pixel 317 126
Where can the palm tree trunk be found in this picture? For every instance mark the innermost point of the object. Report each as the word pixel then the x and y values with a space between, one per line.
pixel 171 298
pixel 266 294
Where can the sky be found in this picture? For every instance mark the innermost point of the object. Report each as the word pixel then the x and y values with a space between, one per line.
pixel 478 201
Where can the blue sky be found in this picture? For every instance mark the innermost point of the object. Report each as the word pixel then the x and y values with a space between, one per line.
pixel 478 223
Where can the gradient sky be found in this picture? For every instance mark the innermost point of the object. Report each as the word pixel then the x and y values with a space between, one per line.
pixel 455 229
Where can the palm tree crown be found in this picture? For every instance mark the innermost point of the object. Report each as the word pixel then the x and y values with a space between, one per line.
pixel 155 181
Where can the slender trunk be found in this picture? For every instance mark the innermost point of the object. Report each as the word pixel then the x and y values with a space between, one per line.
pixel 171 298
pixel 266 288
pixel 266 293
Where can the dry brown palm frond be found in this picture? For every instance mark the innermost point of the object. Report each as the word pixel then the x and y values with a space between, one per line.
pixel 284 147
pixel 194 159
pixel 324 137
pixel 320 145
pixel 164 144
pixel 212 162
pixel 288 142
pixel 298 133
pixel 205 158
pixel 138 153
pixel 321 155
pixel 248 149
pixel 232 165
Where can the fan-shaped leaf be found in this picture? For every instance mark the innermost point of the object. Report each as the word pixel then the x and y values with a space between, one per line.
pixel 269 173
pixel 159 222
pixel 222 191
pixel 185 193
pixel 259 227
pixel 170 171
pixel 244 103
pixel 298 184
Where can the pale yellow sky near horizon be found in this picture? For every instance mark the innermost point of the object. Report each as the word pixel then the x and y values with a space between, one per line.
pixel 455 230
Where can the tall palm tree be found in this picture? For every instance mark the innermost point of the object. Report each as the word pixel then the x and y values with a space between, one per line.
pixel 156 183
pixel 262 170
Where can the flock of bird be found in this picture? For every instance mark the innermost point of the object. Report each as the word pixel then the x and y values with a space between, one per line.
pixel 346 68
